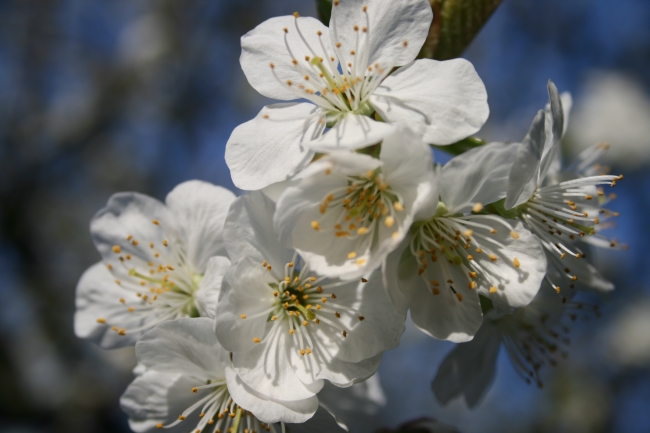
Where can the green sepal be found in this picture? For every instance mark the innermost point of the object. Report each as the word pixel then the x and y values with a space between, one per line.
pixel 486 304
pixel 461 146
pixel 498 208
pixel 324 9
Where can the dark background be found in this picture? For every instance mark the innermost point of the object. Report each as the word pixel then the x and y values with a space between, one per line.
pixel 101 96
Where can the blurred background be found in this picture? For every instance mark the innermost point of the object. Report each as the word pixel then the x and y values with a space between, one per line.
pixel 100 96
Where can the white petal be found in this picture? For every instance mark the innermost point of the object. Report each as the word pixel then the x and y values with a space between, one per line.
pixel 525 170
pixel 443 101
pixel 156 397
pixel 337 372
pixel 324 421
pixel 207 294
pixel 390 268
pixel 98 298
pixel 469 369
pixel 381 328
pixel 200 210
pixel 477 176
pixel 268 148
pixel 268 410
pixel 554 130
pixel 249 232
pixel 353 131
pixel 395 30
pixel 130 215
pixel 408 165
pixel 267 369
pixel 516 285
pixel 442 316
pixel 275 190
pixel 185 345
pixel 244 291
pixel 269 44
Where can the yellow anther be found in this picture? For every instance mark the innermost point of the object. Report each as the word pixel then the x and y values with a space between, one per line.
pixel 470 257
pixel 118 282
pixel 472 285
pixel 170 267
pixel 302 352
pixel 434 283
pixel 514 235
pixel 121 332
pixel 492 257
pixel 493 290
pixel 323 299
pixel 352 255
pixel 460 297
pixel 290 264
pixel 315 225
pixel 308 351
pixel 362 230
pixel 101 320
pixel 122 300
pixel 398 206
pixel 318 307
pixel 165 242
pixel 195 390
pixel 117 249
pixel 135 242
pixel 291 331
pixel 305 323
pixel 256 340
pixel 243 316
pixel 159 425
pixel 131 309
pixel 395 235
pixel 516 262
pixel 274 318
pixel 296 14
pixel 477 207
pixel 389 221
pixel 472 274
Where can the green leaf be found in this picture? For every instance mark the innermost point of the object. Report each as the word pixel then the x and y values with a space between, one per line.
pixel 461 146
pixel 324 8
pixel 455 24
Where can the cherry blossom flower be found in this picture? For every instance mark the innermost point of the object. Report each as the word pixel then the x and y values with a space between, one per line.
pixel 186 383
pixel 349 211
pixel 288 327
pixel 156 258
pixel 344 74
pixel 457 254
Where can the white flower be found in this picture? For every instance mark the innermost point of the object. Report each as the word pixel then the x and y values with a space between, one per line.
pixel 349 211
pixel 451 258
pixel 186 384
pixel 560 206
pixel 154 258
pixel 288 328
pixel 533 336
pixel 343 73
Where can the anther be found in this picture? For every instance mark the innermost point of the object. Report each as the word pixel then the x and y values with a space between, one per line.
pixel 256 340
pixel 117 249
pixel 296 14
pixel 361 318
pixel 121 332
pixel 165 242
pixel 492 257
pixel 460 297
pixel 389 221
pixel 243 316
pixel 195 390
pixel 352 255
pixel 493 290
pixel 477 207
pixel 159 425
pixel 363 280
pixel 101 320
pixel 514 235
pixel 516 262
pixel 405 43
pixel 315 225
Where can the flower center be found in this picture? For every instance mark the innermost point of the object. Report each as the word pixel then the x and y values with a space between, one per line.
pixel 560 214
pixel 447 241
pixel 339 83
pixel 301 301
pixel 360 208
pixel 156 279
pixel 219 412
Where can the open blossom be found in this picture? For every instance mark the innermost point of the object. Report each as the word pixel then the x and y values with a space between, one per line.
pixel 343 72
pixel 349 211
pixel 156 258
pixel 289 328
pixel 452 257
pixel 533 337
pixel 186 383
pixel 560 206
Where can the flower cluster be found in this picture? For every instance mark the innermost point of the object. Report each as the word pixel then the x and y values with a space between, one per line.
pixel 241 308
